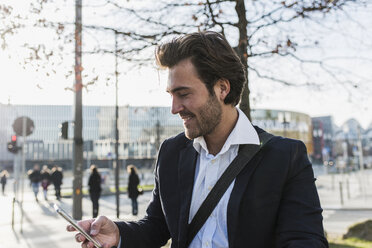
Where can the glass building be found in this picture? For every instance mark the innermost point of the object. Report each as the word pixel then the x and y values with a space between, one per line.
pixel 141 131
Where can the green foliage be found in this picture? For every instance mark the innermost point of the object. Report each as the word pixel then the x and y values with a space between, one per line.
pixel 68 193
pixel 350 243
pixel 358 236
pixel 362 231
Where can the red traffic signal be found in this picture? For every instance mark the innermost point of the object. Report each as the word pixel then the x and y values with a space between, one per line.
pixel 12 145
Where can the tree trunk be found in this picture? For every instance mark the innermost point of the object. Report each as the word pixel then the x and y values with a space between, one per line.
pixel 242 53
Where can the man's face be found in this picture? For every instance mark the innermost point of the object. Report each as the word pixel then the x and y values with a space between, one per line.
pixel 200 111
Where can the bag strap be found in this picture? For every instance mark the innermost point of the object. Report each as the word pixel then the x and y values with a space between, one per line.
pixel 246 153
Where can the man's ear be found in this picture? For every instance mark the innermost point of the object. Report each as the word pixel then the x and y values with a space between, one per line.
pixel 222 88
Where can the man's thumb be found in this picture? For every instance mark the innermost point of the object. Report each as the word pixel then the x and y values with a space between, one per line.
pixel 96 226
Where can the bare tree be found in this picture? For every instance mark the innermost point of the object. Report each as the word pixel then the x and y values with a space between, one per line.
pixel 265 35
pixel 8 26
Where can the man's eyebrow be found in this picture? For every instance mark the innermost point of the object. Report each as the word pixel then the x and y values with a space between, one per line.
pixel 177 89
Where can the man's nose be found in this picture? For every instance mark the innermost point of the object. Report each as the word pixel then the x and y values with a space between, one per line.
pixel 176 106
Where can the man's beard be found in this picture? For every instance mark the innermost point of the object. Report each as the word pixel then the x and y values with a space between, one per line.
pixel 209 116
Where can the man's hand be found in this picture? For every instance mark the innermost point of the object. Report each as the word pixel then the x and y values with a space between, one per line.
pixel 101 229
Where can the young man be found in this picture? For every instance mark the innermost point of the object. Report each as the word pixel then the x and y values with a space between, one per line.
pixel 57 178
pixel 273 202
pixel 35 179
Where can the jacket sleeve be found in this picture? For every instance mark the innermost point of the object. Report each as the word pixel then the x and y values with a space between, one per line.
pixel 299 222
pixel 152 230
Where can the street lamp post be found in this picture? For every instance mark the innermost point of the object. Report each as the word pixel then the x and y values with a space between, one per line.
pixel 77 195
pixel 360 149
pixel 116 165
pixel 345 146
pixel 284 118
pixel 361 164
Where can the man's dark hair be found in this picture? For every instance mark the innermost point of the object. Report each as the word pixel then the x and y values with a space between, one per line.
pixel 212 57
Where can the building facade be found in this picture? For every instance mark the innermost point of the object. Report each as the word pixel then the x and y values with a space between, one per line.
pixel 288 124
pixel 141 131
pixel 341 146
pixel 323 138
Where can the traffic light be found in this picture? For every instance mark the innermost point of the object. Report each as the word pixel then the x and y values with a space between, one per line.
pixel 12 145
pixel 64 130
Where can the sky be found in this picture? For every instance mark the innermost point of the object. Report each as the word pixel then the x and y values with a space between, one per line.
pixel 146 86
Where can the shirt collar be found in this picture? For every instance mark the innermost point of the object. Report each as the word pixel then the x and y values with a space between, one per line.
pixel 243 133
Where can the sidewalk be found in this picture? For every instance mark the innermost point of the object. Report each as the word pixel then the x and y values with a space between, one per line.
pixel 352 206
pixel 345 191
pixel 44 228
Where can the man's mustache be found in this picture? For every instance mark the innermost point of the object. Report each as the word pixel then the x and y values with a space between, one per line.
pixel 184 114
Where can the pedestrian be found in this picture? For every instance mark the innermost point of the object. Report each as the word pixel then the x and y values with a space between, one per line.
pixel 57 177
pixel 94 184
pixel 45 180
pixel 35 178
pixel 3 178
pixel 133 183
pixel 267 197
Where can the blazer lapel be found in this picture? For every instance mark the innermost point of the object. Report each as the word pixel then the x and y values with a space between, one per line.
pixel 240 185
pixel 186 170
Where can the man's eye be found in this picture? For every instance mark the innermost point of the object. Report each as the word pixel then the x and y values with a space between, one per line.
pixel 184 94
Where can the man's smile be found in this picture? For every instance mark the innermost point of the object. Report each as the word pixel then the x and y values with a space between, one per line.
pixel 186 117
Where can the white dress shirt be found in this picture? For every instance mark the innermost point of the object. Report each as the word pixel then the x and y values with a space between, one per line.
pixel 208 170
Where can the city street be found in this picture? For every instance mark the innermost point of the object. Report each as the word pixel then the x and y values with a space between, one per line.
pixel 96 95
pixel 42 227
pixel 355 205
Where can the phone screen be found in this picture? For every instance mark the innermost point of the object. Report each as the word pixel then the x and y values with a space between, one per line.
pixel 73 222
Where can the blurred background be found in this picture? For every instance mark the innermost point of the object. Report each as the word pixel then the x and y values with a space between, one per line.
pixel 79 86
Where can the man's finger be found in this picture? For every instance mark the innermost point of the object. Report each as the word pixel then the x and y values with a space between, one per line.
pixel 108 246
pixel 70 228
pixel 85 244
pixel 79 237
pixel 90 245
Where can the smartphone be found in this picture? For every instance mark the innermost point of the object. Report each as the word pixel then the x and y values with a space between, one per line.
pixel 74 223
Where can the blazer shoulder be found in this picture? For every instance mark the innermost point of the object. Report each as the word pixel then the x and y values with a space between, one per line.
pixel 288 154
pixel 284 145
pixel 176 142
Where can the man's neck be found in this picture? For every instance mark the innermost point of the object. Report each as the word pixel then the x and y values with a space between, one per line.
pixel 218 137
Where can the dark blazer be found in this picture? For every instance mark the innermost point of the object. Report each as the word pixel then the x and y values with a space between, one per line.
pixel 274 202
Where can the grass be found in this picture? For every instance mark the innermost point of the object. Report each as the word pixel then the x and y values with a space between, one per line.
pixel 68 193
pixel 350 243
